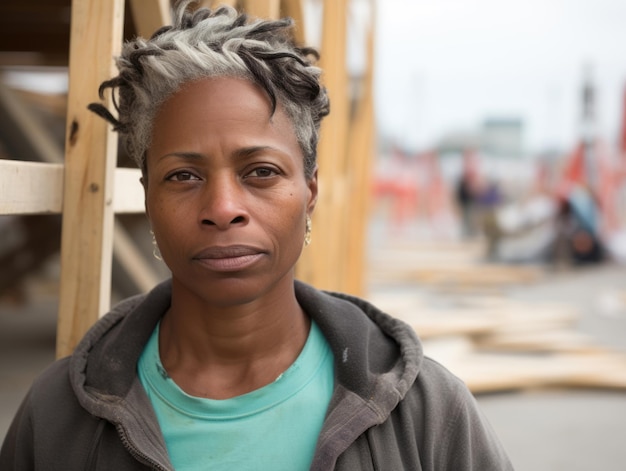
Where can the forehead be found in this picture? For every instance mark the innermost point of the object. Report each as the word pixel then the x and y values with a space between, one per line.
pixel 232 110
pixel 221 95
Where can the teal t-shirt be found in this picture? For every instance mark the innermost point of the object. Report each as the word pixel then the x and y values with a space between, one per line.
pixel 275 427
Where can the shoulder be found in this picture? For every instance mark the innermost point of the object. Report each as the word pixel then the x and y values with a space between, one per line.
pixel 44 393
pixel 48 415
pixel 442 397
pixel 436 396
pixel 48 400
pixel 51 398
pixel 448 422
pixel 54 380
pixel 434 378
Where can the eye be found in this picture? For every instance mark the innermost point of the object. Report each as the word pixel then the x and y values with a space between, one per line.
pixel 181 176
pixel 262 172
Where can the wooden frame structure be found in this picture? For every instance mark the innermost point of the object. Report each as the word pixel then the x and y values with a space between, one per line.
pixel 89 190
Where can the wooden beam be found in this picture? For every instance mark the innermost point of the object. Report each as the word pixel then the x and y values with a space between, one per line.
pixel 293 9
pixel 134 264
pixel 128 195
pixel 262 8
pixel 19 196
pixel 150 15
pixel 33 59
pixel 323 263
pixel 213 4
pixel 18 120
pixel 361 150
pixel 37 188
pixel 90 158
pixel 30 187
pixel 483 372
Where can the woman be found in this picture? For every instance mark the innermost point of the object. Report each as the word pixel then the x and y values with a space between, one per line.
pixel 232 364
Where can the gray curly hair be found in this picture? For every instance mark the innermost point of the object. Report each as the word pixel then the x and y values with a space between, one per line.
pixel 220 43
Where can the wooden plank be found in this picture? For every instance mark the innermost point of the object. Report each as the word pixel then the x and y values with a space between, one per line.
pixel 443 253
pixel 20 119
pixel 37 188
pixel 496 372
pixel 492 372
pixel 213 4
pixel 430 323
pixel 293 9
pixel 21 58
pixel 30 187
pixel 90 158
pixel 142 274
pixel 262 8
pixel 538 340
pixel 323 263
pixel 53 103
pixel 480 319
pixel 150 15
pixel 362 144
pixel 467 275
pixel 128 196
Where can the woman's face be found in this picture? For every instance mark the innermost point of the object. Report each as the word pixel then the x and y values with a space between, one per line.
pixel 226 193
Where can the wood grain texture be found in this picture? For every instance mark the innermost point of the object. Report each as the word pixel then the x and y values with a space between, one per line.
pixel 293 9
pixel 37 188
pixel 262 8
pixel 323 263
pixel 361 154
pixel 30 187
pixel 150 15
pixel 90 158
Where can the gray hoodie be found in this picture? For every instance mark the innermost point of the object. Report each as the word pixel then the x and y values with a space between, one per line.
pixel 392 408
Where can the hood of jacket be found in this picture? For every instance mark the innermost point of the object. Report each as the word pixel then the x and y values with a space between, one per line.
pixel 377 359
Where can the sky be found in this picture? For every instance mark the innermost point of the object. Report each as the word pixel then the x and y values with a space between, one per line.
pixel 445 65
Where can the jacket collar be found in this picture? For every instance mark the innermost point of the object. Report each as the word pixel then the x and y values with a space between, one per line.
pixel 377 357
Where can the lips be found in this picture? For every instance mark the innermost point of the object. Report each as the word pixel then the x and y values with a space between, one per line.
pixel 229 258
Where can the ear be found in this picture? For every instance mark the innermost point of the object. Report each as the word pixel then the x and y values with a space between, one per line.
pixel 312 184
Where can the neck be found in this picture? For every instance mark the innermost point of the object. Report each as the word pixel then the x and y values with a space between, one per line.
pixel 224 351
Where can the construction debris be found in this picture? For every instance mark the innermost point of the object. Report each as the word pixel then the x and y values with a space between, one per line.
pixel 489 340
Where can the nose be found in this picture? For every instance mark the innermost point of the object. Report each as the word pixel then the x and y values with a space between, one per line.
pixel 223 203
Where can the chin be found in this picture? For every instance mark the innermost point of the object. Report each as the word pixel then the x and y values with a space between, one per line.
pixel 224 292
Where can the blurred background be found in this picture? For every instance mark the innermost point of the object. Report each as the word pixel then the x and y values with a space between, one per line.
pixel 497 205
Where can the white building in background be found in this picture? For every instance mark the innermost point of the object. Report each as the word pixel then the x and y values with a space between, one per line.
pixel 502 137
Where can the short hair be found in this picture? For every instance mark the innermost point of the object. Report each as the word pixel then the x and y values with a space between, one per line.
pixel 215 43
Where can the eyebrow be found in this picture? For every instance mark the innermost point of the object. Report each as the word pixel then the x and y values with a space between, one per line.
pixel 182 154
pixel 239 153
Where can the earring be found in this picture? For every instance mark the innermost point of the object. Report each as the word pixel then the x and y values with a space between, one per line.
pixel 155 248
pixel 307 231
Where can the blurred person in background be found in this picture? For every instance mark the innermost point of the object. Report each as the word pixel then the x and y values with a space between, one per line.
pixel 488 200
pixel 578 239
pixel 232 363
pixel 466 193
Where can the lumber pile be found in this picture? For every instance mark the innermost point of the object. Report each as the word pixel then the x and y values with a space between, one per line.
pixel 446 265
pixel 490 341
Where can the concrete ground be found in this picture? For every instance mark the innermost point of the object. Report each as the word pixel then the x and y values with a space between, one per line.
pixel 543 430
pixel 560 430
pixel 570 429
pixel 27 343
